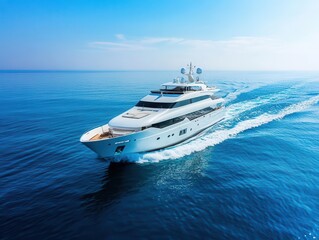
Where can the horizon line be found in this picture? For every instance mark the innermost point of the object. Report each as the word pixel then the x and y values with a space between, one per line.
pixel 148 70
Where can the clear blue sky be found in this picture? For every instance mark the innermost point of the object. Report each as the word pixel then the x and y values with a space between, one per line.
pixel 163 34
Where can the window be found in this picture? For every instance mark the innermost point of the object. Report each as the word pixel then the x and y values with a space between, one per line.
pixel 181 132
pixel 195 88
pixel 190 116
pixel 168 122
pixel 189 101
pixel 158 138
pixel 199 113
pixel 171 105
pixel 182 103
pixel 154 104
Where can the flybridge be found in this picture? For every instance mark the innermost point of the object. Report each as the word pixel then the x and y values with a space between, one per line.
pixel 179 89
pixel 182 85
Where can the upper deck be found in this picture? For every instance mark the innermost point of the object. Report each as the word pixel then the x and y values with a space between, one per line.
pixel 177 87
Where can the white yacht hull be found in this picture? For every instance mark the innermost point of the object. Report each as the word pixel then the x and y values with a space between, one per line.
pixel 150 139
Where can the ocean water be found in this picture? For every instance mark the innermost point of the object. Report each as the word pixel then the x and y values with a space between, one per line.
pixel 253 176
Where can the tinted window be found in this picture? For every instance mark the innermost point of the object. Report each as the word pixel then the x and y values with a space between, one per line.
pixel 171 105
pixel 188 101
pixel 190 116
pixel 199 113
pixel 168 122
pixel 154 104
pixel 182 103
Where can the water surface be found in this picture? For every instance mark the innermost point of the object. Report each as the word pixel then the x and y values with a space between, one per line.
pixel 253 176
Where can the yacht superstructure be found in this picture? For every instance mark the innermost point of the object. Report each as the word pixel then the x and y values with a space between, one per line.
pixel 177 111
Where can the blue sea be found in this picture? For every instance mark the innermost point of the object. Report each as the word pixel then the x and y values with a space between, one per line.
pixel 253 176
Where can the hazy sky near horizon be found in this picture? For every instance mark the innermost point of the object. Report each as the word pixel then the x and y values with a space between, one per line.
pixel 159 35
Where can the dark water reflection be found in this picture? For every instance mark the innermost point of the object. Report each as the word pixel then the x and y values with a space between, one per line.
pixel 122 180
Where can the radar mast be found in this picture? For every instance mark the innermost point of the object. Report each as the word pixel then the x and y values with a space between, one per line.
pixel 191 72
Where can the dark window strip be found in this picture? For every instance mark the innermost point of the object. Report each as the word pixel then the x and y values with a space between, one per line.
pixel 190 116
pixel 171 105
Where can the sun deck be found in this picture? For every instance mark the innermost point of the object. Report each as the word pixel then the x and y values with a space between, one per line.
pixel 100 136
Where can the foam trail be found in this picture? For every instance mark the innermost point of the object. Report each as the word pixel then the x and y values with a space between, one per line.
pixel 233 95
pixel 240 107
pixel 219 136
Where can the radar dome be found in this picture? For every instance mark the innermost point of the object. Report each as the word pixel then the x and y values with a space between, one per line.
pixel 199 70
pixel 183 71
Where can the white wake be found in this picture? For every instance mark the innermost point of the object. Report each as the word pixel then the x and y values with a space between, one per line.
pixel 235 109
pixel 218 136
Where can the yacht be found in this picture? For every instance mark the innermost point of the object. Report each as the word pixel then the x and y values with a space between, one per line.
pixel 177 111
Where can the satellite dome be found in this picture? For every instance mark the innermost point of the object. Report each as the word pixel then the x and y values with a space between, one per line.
pixel 183 71
pixel 199 70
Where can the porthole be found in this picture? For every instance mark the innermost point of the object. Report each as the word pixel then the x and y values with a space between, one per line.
pixel 158 138
pixel 168 135
pixel 172 134
pixel 182 132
